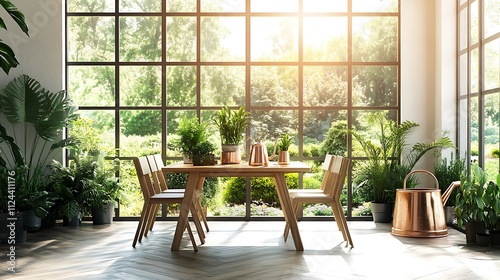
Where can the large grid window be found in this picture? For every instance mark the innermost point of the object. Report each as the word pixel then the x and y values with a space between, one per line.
pixel 136 68
pixel 479 82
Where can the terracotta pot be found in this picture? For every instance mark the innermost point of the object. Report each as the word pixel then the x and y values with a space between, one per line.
pixel 230 154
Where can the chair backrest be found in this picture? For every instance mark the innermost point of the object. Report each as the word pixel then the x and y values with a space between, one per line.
pixel 335 172
pixel 144 175
pixel 157 175
pixel 159 161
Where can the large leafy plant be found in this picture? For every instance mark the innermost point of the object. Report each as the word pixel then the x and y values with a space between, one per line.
pixel 389 157
pixel 7 57
pixel 36 118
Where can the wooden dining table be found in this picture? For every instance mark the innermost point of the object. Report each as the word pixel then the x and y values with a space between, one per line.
pixel 197 175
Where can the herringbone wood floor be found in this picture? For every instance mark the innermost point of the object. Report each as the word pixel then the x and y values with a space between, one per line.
pixel 247 250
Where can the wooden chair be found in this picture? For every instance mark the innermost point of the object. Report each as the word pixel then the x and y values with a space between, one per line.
pixel 152 197
pixel 161 187
pixel 335 170
pixel 163 183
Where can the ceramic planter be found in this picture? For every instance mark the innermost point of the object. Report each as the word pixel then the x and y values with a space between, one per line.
pixel 231 154
pixel 382 212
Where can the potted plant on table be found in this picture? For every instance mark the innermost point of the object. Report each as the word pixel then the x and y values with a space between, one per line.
pixel 203 154
pixel 283 145
pixel 232 125
pixel 386 167
pixel 191 133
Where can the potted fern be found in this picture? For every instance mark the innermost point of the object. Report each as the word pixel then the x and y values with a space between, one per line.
pixel 231 125
pixel 385 169
pixel 203 154
pixel 191 133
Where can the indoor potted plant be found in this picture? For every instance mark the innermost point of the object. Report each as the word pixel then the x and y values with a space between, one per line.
pixel 232 125
pixel 386 167
pixel 470 206
pixel 491 198
pixel 446 172
pixel 42 115
pixel 283 145
pixel 203 154
pixel 191 133
pixel 7 57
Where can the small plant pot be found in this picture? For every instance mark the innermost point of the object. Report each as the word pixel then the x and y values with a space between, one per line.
pixel 202 160
pixel 230 154
pixel 483 239
pixel 284 157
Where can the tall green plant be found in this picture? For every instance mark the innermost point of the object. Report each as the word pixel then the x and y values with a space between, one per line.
pixel 470 205
pixel 231 124
pixel 7 57
pixel 386 167
pixel 447 172
pixel 36 117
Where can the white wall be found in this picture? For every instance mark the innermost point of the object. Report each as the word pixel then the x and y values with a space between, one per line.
pixel 428 69
pixel 41 54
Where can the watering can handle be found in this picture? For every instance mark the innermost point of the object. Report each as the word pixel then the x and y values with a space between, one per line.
pixel 424 171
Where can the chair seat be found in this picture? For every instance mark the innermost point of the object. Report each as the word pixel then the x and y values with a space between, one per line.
pixel 316 197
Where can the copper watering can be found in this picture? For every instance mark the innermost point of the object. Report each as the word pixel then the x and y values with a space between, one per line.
pixel 420 212
pixel 258 154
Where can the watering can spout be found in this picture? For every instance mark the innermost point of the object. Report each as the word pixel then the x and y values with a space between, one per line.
pixel 449 190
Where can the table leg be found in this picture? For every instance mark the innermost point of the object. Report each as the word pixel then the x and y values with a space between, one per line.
pixel 192 181
pixel 286 205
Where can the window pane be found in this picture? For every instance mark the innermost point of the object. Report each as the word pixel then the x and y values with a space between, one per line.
pixel 222 85
pixel 274 86
pixel 462 36
pixel 269 124
pixel 462 127
pixel 223 5
pixel 274 39
pixel 325 38
pixel 375 39
pixel 325 6
pixel 140 38
pixel 281 6
pixel 492 134
pixel 374 5
pixel 325 132
pixel 140 132
pixel 474 130
pixel 474 22
pixel 491 18
pixel 223 39
pixel 92 85
pixel 474 70
pixel 325 86
pixel 91 39
pixel 181 86
pixel 463 74
pixel 140 6
pixel 375 85
pixel 140 85
pixel 492 65
pixel 83 6
pixel 362 124
pixel 181 6
pixel 131 204
pixel 99 125
pixel 181 39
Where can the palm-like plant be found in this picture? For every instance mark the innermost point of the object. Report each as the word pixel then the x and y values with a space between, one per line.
pixel 37 116
pixel 231 124
pixel 7 57
pixel 385 169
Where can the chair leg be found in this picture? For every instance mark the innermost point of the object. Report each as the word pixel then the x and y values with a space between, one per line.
pixel 142 221
pixel 201 213
pixel 338 219
pixel 151 219
pixel 346 228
